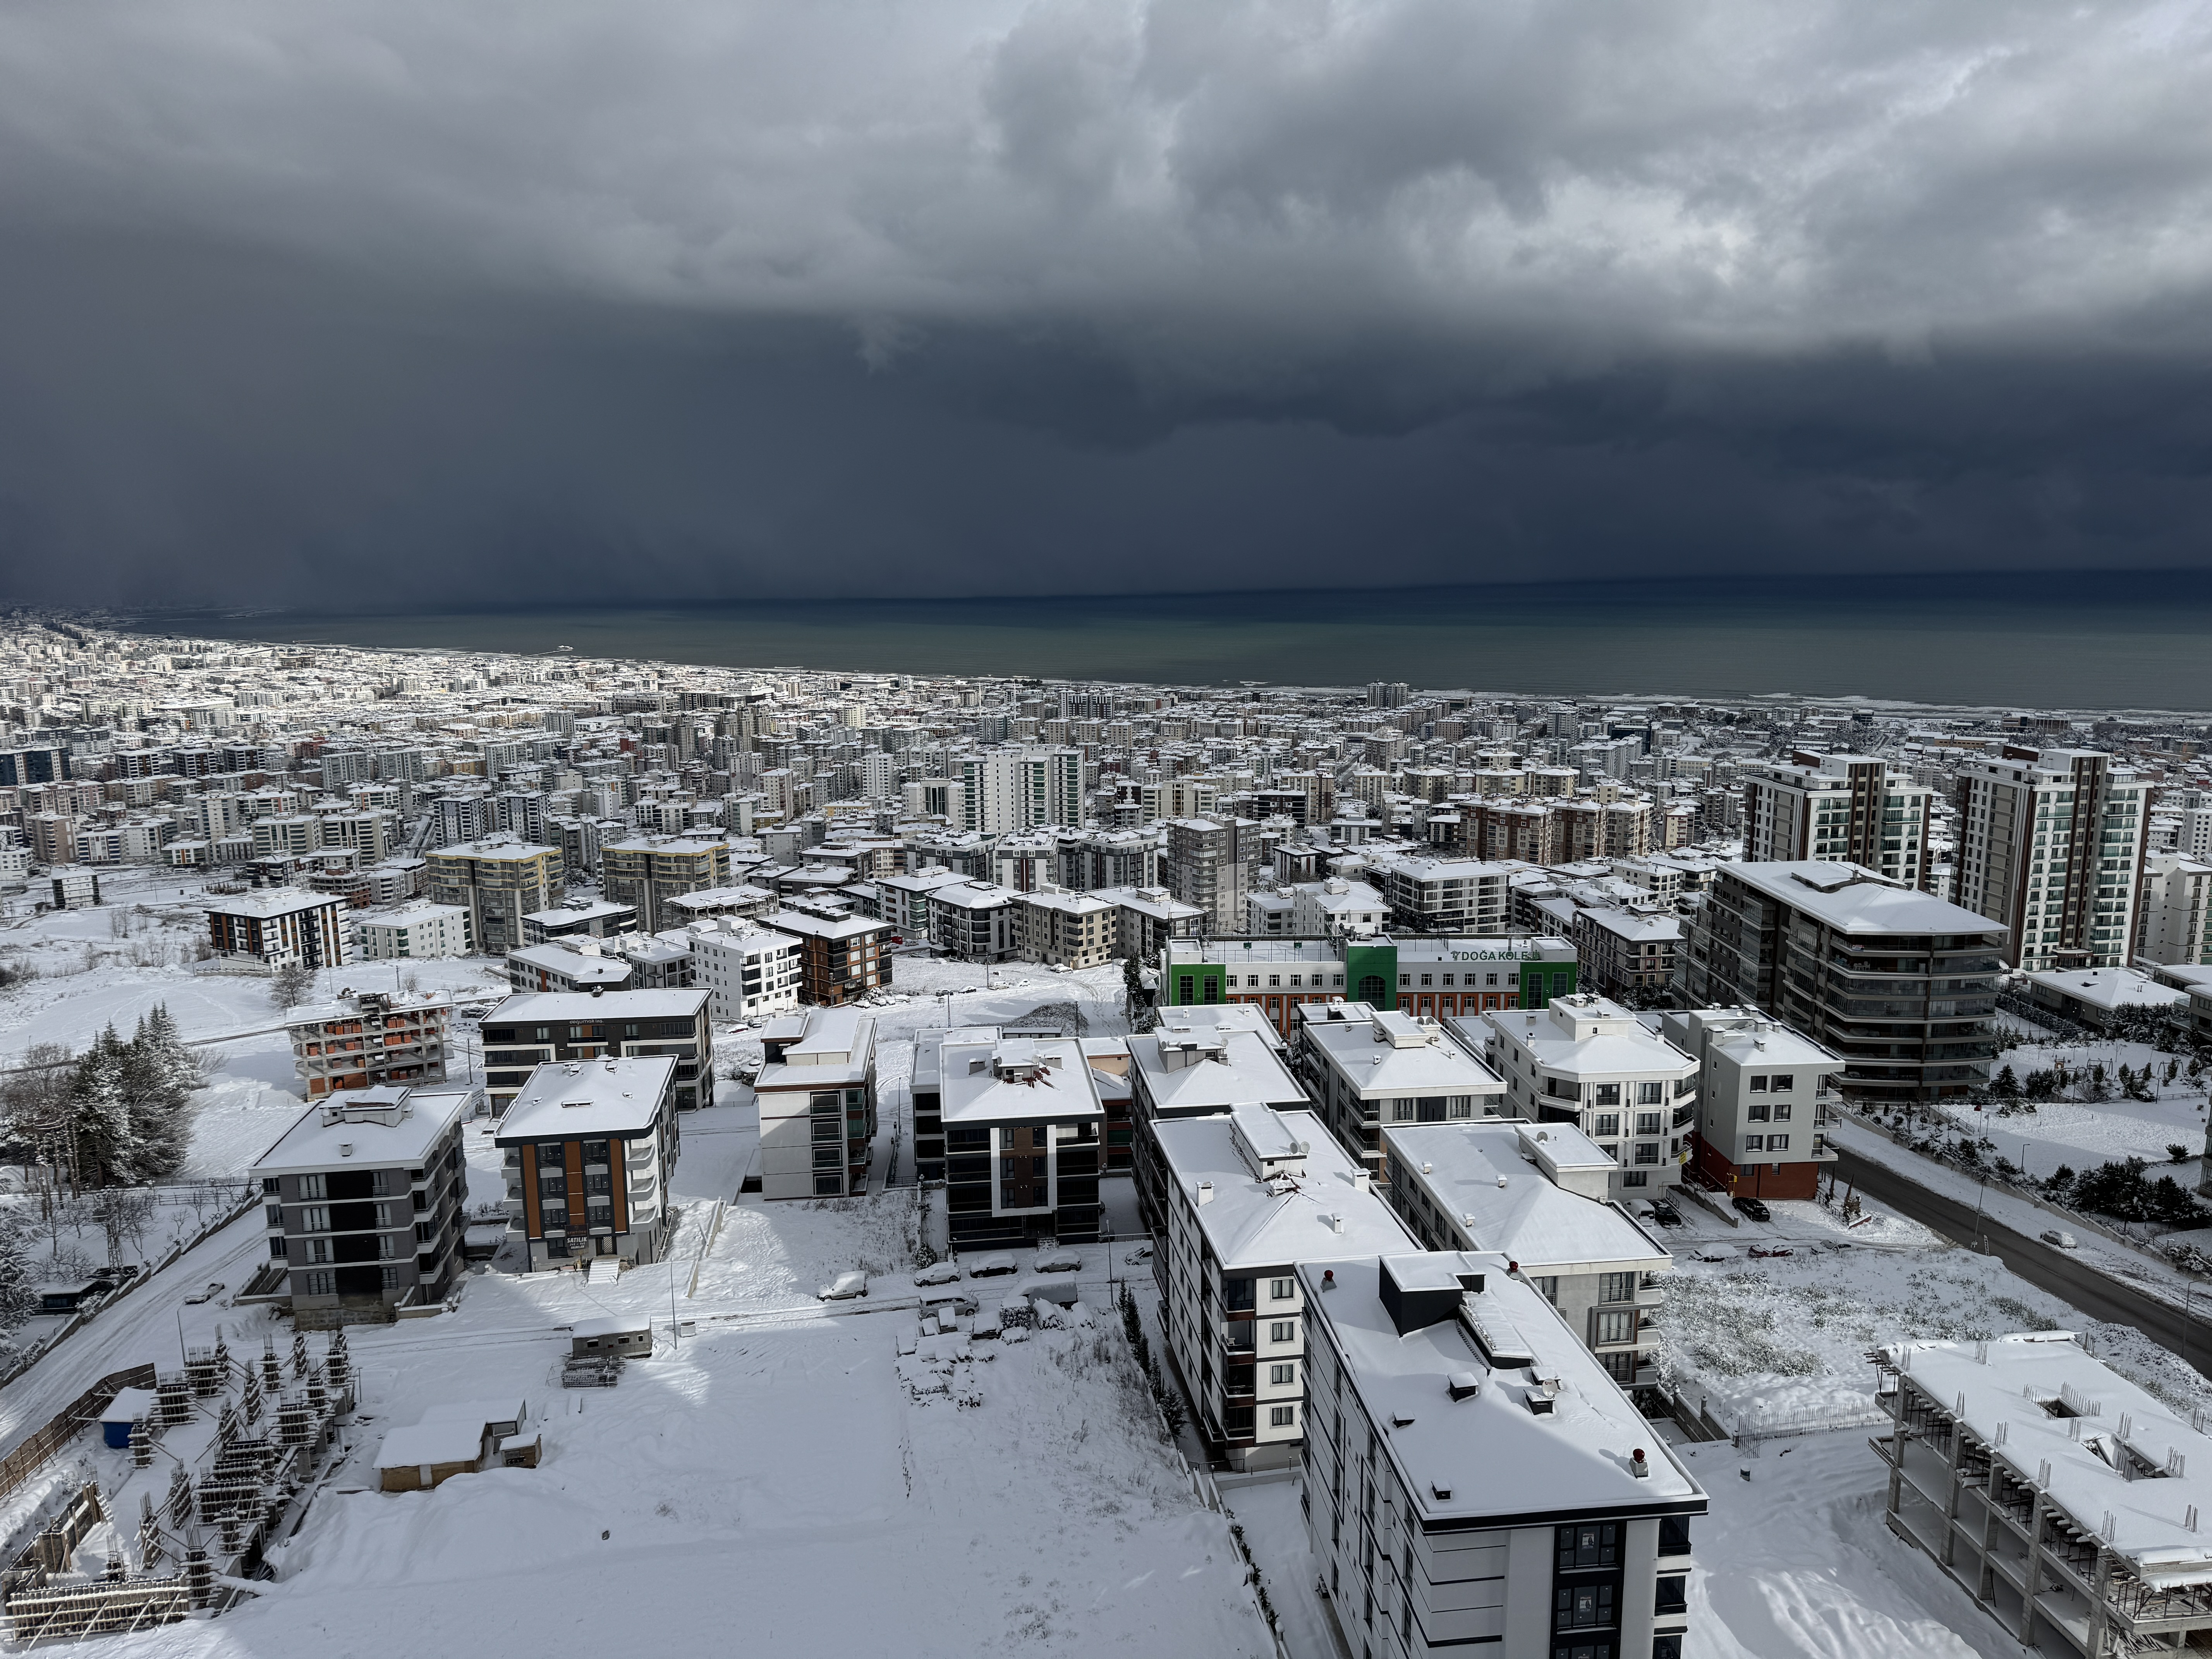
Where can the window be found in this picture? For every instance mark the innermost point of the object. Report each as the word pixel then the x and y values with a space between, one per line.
pixel 1547 1285
pixel 1783 1082
pixel 827 1158
pixel 315 1220
pixel 1616 1287
pixel 827 1184
pixel 1606 1094
pixel 1649 1094
pixel 1589 1544
pixel 322 1283
pixel 1281 1417
pixel 1606 1124
pixel 1282 1289
pixel 1758 1084
pixel 1635 1178
pixel 1430 1108
pixel 1667 1645
pixel 269 1185
pixel 1649 1123
pixel 1781 1111
pixel 1778 1143
pixel 311 1186
pixel 1236 1294
pixel 1754 1143
pixel 1283 1330
pixel 276 1248
pixel 1401 1111
pixel 1613 1328
pixel 1757 1111
pixel 1282 1376
pixel 1673 1535
pixel 1647 1153
pixel 1674 1594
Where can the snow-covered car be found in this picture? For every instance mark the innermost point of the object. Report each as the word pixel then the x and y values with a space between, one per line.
pixel 990 1266
pixel 1060 1262
pixel 2061 1238
pixel 1666 1214
pixel 844 1287
pixel 207 1295
pixel 1142 1253
pixel 941 1272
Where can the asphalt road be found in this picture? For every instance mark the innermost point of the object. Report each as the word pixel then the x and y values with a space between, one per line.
pixel 2059 1271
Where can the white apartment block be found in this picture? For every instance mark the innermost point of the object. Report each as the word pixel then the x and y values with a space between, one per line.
pixel 748 973
pixel 818 1104
pixel 1539 1196
pixel 413 933
pixel 1369 1068
pixel 1849 809
pixel 1589 1061
pixel 1474 1481
pixel 903 901
pixel 1765 1099
pixel 1002 790
pixel 2050 844
pixel 2170 926
pixel 973 920
pixel 1336 907
pixel 1443 896
pixel 1250 1194
pixel 2060 1495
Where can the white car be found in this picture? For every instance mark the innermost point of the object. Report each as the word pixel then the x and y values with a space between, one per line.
pixel 941 1272
pixel 844 1287
pixel 990 1266
pixel 2061 1238
pixel 1060 1262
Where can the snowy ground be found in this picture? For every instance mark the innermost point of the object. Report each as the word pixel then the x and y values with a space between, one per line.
pixel 1770 1342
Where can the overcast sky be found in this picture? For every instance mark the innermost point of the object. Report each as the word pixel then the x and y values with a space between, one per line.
pixel 302 301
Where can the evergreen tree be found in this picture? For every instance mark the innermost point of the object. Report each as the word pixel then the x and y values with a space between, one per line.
pixel 100 1116
pixel 157 1101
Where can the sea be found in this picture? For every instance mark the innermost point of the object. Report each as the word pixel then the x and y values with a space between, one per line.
pixel 2104 641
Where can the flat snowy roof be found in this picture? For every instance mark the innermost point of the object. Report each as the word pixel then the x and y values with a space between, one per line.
pixel 314 1142
pixel 1480 1176
pixel 1254 1223
pixel 1854 900
pixel 565 1099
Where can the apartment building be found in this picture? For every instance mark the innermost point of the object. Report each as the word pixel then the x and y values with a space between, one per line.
pixel 2060 1495
pixel 1250 1194
pixel 1589 1061
pixel 1625 953
pixel 1367 1068
pixel 973 920
pixel 1539 1195
pixel 1765 1097
pixel 364 1196
pixel 817 1089
pixel 579 918
pixel 371 1039
pixel 840 959
pixel 422 932
pixel 904 900
pixel 1443 896
pixel 647 872
pixel 2171 926
pixel 498 881
pixel 1190 1068
pixel 544 1028
pixel 1474 1480
pixel 1023 1130
pixel 280 926
pixel 1003 791
pixel 2050 844
pixel 1896 982
pixel 1849 809
pixel 589 1146
pixel 748 972
pixel 576 962
pixel 1335 906
pixel 1209 865
pixel 1146 918
pixel 2101 997
pixel 1068 930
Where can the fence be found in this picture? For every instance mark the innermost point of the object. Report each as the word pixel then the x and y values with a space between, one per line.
pixel 20 1464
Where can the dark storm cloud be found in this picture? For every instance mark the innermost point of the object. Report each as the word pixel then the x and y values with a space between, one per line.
pixel 297 298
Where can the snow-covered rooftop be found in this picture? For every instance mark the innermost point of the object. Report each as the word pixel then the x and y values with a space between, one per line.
pixel 1008 1079
pixel 551 1006
pixel 2108 988
pixel 1855 900
pixel 565 1099
pixel 1195 1071
pixel 1485 1178
pixel 1586 1036
pixel 1487 1455
pixel 1250 1223
pixel 384 1127
pixel 1390 1052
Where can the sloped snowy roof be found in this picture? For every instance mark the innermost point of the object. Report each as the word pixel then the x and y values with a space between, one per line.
pixel 1477 1176
pixel 1254 1223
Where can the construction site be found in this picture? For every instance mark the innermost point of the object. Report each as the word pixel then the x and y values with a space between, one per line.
pixel 210 1465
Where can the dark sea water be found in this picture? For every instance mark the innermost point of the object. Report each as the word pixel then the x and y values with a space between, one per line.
pixel 2045 640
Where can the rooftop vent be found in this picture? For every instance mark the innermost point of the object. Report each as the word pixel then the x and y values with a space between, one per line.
pixel 1443 1494
pixel 1638 1466
pixel 1205 1192
pixel 345 1148
pixel 1401 1420
pixel 1463 1385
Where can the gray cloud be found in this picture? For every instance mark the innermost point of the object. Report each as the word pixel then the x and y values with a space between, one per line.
pixel 832 297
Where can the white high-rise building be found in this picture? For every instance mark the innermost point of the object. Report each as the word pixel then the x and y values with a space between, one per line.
pixel 1842 808
pixel 2169 929
pixel 999 790
pixel 2051 843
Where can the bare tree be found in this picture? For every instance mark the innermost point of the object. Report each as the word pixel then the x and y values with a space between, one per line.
pixel 34 1105
pixel 290 984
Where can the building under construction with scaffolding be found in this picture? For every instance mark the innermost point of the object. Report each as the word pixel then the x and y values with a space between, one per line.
pixel 2066 1500
pixel 223 1459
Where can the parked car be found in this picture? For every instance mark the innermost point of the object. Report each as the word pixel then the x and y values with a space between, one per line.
pixel 1060 1262
pixel 941 1272
pixel 990 1266
pixel 1755 1208
pixel 844 1287
pixel 2061 1238
pixel 208 1295
pixel 1665 1213
pixel 1142 1253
